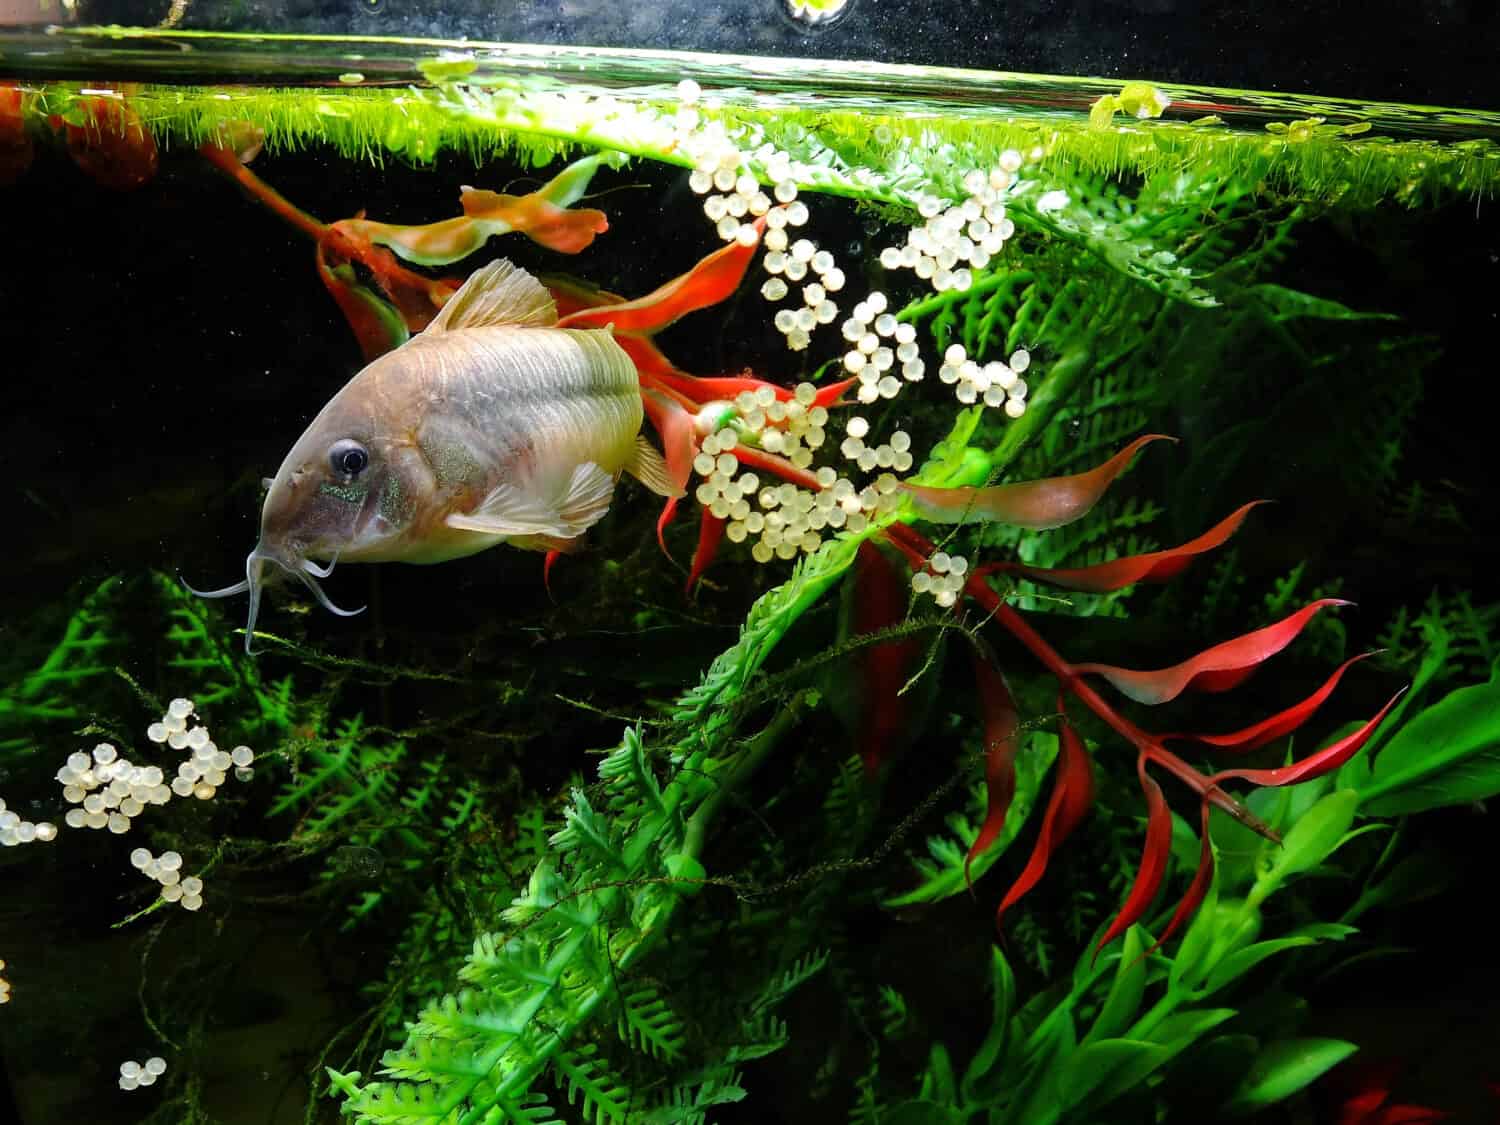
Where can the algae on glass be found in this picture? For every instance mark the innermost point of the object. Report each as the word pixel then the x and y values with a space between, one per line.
pixel 908 371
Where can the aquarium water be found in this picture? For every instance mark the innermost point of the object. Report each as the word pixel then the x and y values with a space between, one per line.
pixel 796 561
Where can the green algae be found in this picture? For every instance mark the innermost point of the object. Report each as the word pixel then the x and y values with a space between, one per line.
pixel 872 132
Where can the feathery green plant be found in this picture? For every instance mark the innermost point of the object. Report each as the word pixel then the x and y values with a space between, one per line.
pixel 542 992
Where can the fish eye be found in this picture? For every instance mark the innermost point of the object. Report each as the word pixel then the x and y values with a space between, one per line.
pixel 348 458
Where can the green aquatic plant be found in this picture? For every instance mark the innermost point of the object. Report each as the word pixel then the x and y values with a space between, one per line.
pixel 615 955
pixel 52 691
pixel 1127 1026
pixel 867 154
pixel 541 992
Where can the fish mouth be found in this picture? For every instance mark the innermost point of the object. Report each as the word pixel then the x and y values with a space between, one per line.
pixel 258 575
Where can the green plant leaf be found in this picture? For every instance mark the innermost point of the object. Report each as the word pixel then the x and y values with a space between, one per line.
pixel 1161 1044
pixel 1240 962
pixel 984 1067
pixel 1419 876
pixel 1124 998
pixel 1448 754
pixel 1286 304
pixel 1092 1067
pixel 1284 1067
pixel 945 871
pixel 1312 839
pixel 937 1080
pixel 1037 1100
pixel 1188 967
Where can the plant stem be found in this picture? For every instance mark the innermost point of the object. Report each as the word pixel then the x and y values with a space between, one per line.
pixel 741 769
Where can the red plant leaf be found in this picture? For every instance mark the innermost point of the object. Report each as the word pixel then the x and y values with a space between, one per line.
pixel 1326 760
pixel 879 597
pixel 1158 566
pixel 376 324
pixel 1283 722
pixel 775 463
pixel 16 148
pixel 710 533
pixel 704 388
pixel 1206 789
pixel 112 145
pixel 679 440
pixel 1216 669
pixel 227 160
pixel 709 282
pixel 537 217
pixel 571 295
pixel 1035 504
pixel 668 512
pixel 548 561
pixel 1155 854
pixel 1408 1115
pixel 1071 794
pixel 653 366
pixel 1002 724
pixel 1202 879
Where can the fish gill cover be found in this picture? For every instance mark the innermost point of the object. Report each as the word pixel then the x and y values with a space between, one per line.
pixel 894 783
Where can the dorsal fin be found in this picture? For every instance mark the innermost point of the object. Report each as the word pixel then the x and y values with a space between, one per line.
pixel 497 294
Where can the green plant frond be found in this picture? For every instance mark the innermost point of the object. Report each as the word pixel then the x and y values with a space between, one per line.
pixel 943 874
pixel 461 809
pixel 49 692
pixel 383 1104
pixel 529 1109
pixel 894 1015
pixel 628 776
pixel 648 1023
pixel 1449 633
pixel 782 986
pixel 591 833
pixel 603 1096
pixel 689 1103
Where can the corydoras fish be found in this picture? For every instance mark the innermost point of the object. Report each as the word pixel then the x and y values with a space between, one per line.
pixel 491 426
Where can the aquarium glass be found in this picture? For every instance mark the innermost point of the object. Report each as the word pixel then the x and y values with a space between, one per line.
pixel 793 561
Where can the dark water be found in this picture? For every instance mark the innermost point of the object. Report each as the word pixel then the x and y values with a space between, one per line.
pixel 166 345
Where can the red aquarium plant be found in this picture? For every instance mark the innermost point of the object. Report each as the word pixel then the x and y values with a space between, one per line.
pixel 388 300
pixel 16 148
pixel 397 301
pixel 1052 503
pixel 108 140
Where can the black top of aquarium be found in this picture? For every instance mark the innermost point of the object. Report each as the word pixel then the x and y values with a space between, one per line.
pixel 1423 51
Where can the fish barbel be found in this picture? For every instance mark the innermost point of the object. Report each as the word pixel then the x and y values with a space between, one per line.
pixel 491 426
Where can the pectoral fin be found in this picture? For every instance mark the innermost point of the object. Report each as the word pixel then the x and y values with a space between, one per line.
pixel 648 467
pixel 516 513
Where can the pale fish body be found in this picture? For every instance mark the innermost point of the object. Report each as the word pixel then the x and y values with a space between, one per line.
pixel 489 427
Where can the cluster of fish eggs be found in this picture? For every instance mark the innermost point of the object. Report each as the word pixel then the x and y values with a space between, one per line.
pixel 206 766
pixel 894 454
pixel 871 329
pixel 108 790
pixel 997 384
pixel 943 578
pixel 795 428
pixel 959 239
pixel 783 518
pixel 134 1074
pixel 793 520
pixel 166 869
pixel 734 200
pixel 797 325
pixel 14 830
pixel 4 986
